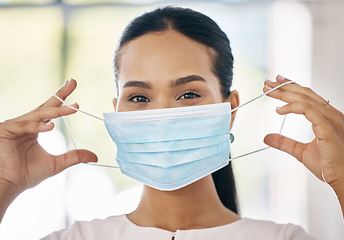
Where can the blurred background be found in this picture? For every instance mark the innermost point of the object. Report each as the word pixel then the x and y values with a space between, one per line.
pixel 43 43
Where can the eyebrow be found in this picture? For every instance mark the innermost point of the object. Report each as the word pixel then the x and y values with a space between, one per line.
pixel 173 83
pixel 138 84
pixel 187 79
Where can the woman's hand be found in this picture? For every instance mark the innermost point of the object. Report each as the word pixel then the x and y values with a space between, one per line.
pixel 324 156
pixel 23 162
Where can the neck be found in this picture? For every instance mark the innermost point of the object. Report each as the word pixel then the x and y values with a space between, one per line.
pixel 193 207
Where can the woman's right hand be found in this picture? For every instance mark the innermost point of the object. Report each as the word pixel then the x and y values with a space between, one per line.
pixel 23 162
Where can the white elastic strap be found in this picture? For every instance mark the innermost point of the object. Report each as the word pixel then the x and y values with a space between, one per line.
pixel 79 110
pixel 71 135
pixel 322 175
pixel 249 153
pixel 262 149
pixel 69 131
pixel 254 99
pixel 102 165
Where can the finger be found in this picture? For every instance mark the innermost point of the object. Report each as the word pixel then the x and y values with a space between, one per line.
pixel 288 96
pixel 292 97
pixel 11 130
pixel 281 79
pixel 285 144
pixel 46 114
pixel 321 126
pixel 54 112
pixel 297 89
pixel 73 157
pixel 296 149
pixel 62 93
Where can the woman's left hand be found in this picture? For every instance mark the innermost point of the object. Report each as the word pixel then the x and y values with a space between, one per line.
pixel 324 156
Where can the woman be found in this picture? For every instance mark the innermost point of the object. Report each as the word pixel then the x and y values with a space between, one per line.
pixel 170 58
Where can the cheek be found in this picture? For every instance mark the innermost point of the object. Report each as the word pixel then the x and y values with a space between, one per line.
pixel 120 107
pixel 211 99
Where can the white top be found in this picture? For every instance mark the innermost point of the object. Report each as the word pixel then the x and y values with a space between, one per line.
pixel 119 227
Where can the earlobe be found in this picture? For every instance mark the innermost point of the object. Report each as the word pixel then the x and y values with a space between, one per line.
pixel 114 102
pixel 233 98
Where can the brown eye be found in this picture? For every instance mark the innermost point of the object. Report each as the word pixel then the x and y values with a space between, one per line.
pixel 139 98
pixel 189 95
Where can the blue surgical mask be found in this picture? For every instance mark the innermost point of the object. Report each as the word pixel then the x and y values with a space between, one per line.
pixel 170 148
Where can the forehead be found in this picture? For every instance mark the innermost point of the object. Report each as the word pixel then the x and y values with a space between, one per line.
pixel 165 54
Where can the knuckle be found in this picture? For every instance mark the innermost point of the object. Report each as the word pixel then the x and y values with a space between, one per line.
pixel 306 106
pixel 280 141
pixel 298 151
pixel 283 94
pixel 304 98
pixel 75 157
pixel 59 95
pixel 308 90
pixel 23 123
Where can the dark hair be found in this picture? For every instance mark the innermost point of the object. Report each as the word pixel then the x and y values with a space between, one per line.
pixel 203 29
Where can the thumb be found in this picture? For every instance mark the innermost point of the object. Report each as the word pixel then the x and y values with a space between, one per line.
pixel 285 144
pixel 72 158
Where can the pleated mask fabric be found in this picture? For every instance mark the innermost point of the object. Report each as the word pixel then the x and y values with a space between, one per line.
pixel 170 148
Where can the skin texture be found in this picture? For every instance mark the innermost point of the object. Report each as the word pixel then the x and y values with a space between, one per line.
pixel 158 59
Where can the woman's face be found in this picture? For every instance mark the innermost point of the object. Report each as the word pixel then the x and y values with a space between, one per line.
pixel 165 70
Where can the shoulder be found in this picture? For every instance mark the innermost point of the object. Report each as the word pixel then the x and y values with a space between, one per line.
pixel 272 230
pixel 95 229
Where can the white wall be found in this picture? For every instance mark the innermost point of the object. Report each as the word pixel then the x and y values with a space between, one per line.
pixel 306 43
pixel 328 80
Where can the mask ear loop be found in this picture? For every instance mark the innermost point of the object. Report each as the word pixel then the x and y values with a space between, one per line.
pixel 70 132
pixel 79 110
pixel 259 150
pixel 262 149
pixel 254 99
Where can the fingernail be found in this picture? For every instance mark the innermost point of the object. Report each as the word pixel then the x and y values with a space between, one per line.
pixel 65 83
pixel 280 77
pixel 267 87
pixel 278 108
pixel 268 81
pixel 48 123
